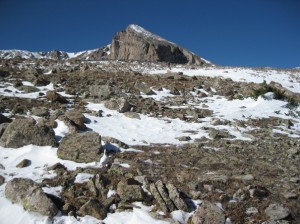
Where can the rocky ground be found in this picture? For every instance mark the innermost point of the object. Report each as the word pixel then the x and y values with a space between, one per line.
pixel 198 144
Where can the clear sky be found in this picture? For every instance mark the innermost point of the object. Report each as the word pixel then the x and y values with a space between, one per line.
pixel 226 32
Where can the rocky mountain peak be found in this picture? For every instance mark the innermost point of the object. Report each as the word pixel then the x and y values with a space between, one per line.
pixel 138 44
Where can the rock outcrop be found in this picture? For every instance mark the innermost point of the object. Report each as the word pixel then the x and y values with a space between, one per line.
pixel 137 44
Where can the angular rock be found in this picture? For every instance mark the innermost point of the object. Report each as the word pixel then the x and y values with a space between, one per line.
pixel 93 208
pixel 177 198
pixel 77 118
pixel 40 111
pixel 81 147
pixel 28 89
pixel 208 213
pixel 277 211
pixel 130 190
pixel 168 197
pixel 120 104
pixel 3 126
pixel 121 144
pixel 142 87
pixel 27 193
pixel 2 180
pixel 102 92
pixel 24 163
pixel 4 119
pixel 55 97
pixel 136 43
pixel 132 115
pixel 26 131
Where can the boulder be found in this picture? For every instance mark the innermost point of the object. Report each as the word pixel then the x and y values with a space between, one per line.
pixel 40 111
pixel 208 213
pixel 28 194
pixel 142 87
pixel 277 211
pixel 53 96
pixel 93 208
pixel 130 190
pixel 81 147
pixel 120 104
pixel 102 92
pixel 26 131
pixel 77 118
pixel 168 197
pixel 4 119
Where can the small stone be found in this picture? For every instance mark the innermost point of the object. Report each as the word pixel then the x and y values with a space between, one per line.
pixel 2 167
pixel 2 180
pixel 184 138
pixel 55 97
pixel 24 163
pixel 277 211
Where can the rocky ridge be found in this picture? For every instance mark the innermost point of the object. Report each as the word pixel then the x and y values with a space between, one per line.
pixel 135 44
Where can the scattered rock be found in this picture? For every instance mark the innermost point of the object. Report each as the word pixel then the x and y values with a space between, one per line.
pixel 55 97
pixel 28 194
pixel 24 163
pixel 4 119
pixel 77 118
pixel 120 104
pixel 40 111
pixel 208 213
pixel 130 190
pixel 277 211
pixel 28 89
pixel 3 126
pixel 81 147
pixel 121 144
pixel 133 115
pixel 2 180
pixel 142 87
pixel 93 208
pixel 23 132
pixel 102 92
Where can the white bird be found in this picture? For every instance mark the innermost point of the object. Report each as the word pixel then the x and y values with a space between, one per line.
pixel 104 159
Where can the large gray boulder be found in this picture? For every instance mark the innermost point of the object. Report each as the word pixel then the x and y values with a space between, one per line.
pixel 26 131
pixel 81 147
pixel 102 92
pixel 28 194
pixel 136 43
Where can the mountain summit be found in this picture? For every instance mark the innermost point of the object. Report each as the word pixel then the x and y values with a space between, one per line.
pixel 138 44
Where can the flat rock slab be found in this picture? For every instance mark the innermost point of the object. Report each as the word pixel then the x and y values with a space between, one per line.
pixel 81 147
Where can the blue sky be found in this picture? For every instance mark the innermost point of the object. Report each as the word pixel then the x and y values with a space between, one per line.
pixel 226 32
